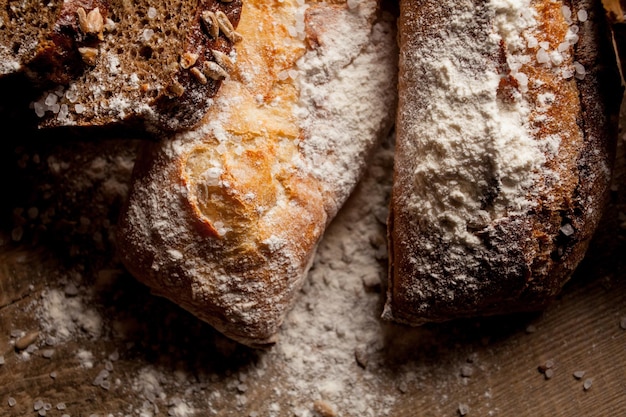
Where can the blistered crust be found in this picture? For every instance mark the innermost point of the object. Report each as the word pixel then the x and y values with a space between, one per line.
pixel 513 259
pixel 230 266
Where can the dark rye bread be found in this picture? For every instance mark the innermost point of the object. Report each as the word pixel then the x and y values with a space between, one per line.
pixel 106 62
pixel 500 180
pixel 21 26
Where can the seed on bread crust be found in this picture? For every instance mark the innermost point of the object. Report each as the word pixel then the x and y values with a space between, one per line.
pixel 227 27
pixel 188 59
pixel 210 23
pixel 88 55
pixel 91 23
pixel 214 71
pixel 175 89
pixel 198 75
pixel 223 60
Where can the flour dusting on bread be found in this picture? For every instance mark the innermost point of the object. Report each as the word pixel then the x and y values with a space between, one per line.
pixel 225 219
pixel 492 158
pixel 338 81
pixel 475 140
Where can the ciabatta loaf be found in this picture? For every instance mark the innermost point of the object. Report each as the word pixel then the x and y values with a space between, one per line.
pixel 505 140
pixel 224 220
pixel 104 62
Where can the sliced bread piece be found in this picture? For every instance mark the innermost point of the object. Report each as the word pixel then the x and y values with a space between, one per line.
pixel 106 62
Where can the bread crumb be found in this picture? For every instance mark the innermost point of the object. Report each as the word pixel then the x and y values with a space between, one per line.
pixel 324 409
pixel 27 340
pixel 467 371
pixel 531 328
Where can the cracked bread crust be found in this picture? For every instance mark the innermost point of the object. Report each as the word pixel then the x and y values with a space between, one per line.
pixel 518 249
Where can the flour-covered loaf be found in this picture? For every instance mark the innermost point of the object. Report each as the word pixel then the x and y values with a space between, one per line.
pixel 224 220
pixel 106 62
pixel 505 140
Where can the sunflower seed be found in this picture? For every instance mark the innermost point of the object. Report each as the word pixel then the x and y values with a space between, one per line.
pixel 198 75
pixel 214 71
pixel 223 60
pixel 227 27
pixel 210 23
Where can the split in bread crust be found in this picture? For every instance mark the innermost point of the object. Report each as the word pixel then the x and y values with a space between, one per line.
pixel 224 220
pixel 505 141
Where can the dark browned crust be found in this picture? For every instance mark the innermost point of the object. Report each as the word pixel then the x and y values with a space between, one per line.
pixel 528 259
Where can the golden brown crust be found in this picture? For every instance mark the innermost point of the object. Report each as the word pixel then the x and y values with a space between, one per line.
pixel 238 274
pixel 521 258
pixel 224 220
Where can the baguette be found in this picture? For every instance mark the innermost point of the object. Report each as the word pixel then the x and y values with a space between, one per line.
pixel 506 131
pixel 224 220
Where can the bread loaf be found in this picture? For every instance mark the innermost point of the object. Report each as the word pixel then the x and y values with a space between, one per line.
pixel 505 141
pixel 106 62
pixel 224 220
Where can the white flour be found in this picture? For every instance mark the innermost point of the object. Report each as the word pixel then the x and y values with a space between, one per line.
pixel 481 140
pixel 464 137
pixel 327 354
pixel 64 318
pixel 337 317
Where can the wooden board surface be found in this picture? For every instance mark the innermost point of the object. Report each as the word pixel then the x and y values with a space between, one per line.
pixel 159 360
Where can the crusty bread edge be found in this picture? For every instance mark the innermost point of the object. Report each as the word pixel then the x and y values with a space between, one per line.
pixel 600 95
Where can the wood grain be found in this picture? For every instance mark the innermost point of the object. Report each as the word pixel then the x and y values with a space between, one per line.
pixel 421 369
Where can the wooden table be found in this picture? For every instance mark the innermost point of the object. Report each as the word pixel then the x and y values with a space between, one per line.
pixel 127 352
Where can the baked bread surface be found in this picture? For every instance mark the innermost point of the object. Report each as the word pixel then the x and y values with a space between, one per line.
pixel 505 141
pixel 224 220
